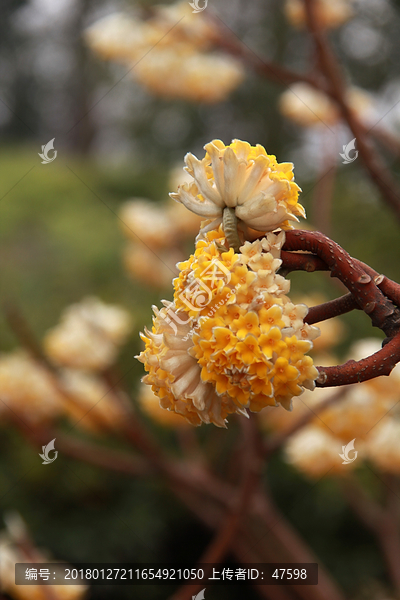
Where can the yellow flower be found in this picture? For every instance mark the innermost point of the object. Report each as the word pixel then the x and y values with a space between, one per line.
pixel 271 317
pixel 308 107
pixel 89 335
pixel 237 353
pixel 176 48
pixel 272 342
pixel 383 445
pixel 330 14
pixel 245 324
pixel 27 389
pixel 245 178
pixel 315 452
pixel 148 222
pixel 180 72
pixel 284 372
pixel 14 549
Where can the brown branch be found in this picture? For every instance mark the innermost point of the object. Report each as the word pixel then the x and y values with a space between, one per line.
pixel 382 521
pixel 331 309
pixel 227 531
pixel 367 290
pixel 331 70
pixel 298 261
pixel 366 293
pixel 227 40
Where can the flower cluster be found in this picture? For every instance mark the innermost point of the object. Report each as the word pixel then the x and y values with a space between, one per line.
pixel 246 179
pixel 170 53
pixel 26 389
pixel 232 339
pixel 87 340
pixel 156 234
pixel 330 14
pixel 308 107
pixel 13 549
pixel 88 336
pixel 367 412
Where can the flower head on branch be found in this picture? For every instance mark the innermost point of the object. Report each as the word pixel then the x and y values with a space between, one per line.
pixel 232 340
pixel 245 178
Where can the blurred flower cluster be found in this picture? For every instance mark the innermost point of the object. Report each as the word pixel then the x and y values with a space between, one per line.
pixel 367 412
pixel 309 107
pixel 329 14
pixel 157 234
pixel 170 54
pixel 232 339
pixel 17 547
pixel 81 348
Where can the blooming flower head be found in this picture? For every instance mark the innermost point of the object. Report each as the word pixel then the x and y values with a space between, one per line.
pixel 171 52
pixel 90 404
pixel 89 335
pixel 330 14
pixel 308 107
pixel 178 72
pixel 152 268
pixel 13 549
pixel 227 343
pixel 146 221
pixel 315 451
pixel 27 389
pixel 383 445
pixel 245 178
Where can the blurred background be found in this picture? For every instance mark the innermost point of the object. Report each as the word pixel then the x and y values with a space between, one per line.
pixel 72 231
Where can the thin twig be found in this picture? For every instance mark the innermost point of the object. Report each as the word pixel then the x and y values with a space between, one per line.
pixel 331 70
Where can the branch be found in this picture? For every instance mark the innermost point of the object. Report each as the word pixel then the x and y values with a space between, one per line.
pixel 227 40
pixel 382 312
pixel 331 309
pixel 331 69
pixel 376 295
pixel 382 521
pixel 227 531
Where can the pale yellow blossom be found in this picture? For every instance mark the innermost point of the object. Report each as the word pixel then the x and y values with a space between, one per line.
pixel 245 178
pixel 307 106
pixel 89 335
pixel 315 451
pixel 27 391
pixel 215 347
pixel 330 14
